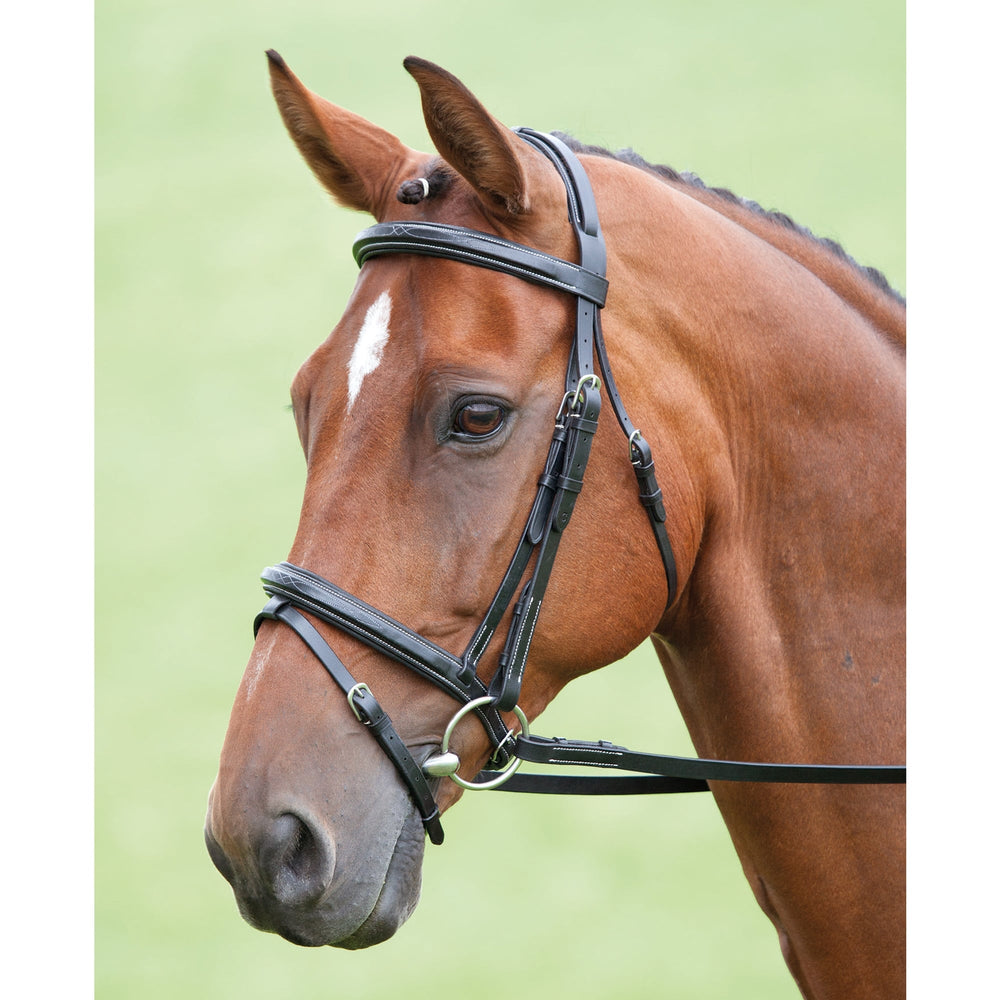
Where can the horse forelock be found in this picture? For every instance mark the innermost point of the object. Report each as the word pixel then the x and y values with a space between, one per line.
pixel 692 180
pixel 437 180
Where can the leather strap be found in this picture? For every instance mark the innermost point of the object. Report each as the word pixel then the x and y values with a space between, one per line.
pixel 371 626
pixel 573 784
pixel 310 592
pixel 581 209
pixel 583 215
pixel 574 753
pixel 366 709
pixel 434 239
pixel 581 424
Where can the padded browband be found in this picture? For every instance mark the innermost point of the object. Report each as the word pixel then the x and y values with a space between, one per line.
pixel 434 239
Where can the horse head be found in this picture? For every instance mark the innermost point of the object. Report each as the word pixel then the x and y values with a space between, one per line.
pixel 425 419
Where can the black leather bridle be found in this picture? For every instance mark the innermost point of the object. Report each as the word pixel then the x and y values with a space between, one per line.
pixel 293 590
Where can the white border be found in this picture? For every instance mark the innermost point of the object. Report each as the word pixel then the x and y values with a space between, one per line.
pixel 47 378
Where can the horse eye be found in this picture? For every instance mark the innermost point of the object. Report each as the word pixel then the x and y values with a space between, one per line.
pixel 479 420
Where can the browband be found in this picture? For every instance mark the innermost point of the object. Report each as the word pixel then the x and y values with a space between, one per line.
pixel 434 239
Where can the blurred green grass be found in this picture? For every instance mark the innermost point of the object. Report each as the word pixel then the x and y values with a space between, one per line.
pixel 220 265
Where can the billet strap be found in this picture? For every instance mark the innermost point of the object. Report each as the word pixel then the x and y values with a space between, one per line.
pixel 673 774
pixel 366 709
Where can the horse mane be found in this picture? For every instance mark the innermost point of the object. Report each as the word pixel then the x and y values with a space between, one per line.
pixel 783 233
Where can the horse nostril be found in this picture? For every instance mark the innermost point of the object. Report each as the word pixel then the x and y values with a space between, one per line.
pixel 296 860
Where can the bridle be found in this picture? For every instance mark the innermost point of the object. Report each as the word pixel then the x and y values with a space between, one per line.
pixel 293 590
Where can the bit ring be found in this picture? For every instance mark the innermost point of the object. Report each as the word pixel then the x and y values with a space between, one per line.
pixel 512 765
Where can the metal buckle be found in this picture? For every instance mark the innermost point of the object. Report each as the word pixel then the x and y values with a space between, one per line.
pixel 635 455
pixel 572 399
pixel 446 764
pixel 350 701
pixel 594 380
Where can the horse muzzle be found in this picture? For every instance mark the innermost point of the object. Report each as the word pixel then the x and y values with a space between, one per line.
pixel 293 875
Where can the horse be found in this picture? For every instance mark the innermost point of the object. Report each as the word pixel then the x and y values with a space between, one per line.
pixel 764 556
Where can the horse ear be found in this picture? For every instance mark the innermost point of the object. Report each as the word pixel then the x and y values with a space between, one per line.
pixel 353 159
pixel 487 154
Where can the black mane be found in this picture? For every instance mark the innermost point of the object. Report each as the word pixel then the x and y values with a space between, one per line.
pixel 632 158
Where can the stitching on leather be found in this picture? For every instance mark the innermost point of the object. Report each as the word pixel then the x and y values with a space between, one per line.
pixel 357 603
pixel 581 763
pixel 376 640
pixel 589 750
pixel 460 254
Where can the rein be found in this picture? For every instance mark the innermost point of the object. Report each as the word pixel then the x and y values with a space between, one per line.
pixel 293 590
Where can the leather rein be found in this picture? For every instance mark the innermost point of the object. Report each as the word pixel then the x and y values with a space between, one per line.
pixel 293 590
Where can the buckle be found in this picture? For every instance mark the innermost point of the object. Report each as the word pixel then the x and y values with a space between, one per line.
pixel 360 689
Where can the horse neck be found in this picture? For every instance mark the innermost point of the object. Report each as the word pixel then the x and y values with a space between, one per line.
pixel 857 286
pixel 785 402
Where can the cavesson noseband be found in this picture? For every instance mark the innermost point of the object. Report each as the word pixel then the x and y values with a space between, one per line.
pixel 293 590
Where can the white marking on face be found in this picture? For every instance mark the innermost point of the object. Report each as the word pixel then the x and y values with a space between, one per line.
pixel 252 680
pixel 367 353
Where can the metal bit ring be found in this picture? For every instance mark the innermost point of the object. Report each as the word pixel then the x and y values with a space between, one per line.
pixel 512 765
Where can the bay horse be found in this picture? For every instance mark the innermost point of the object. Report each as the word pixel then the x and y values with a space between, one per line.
pixel 764 555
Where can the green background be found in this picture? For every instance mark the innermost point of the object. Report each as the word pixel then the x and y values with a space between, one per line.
pixel 220 264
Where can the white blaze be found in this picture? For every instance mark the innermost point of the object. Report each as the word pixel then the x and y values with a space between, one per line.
pixel 367 354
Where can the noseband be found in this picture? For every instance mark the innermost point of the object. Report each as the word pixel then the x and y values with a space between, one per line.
pixel 293 590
